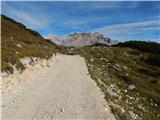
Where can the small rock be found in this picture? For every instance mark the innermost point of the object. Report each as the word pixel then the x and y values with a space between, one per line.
pixel 140 55
pixel 48 66
pixel 125 67
pixel 131 87
pixel 18 45
pixel 46 46
pixel 155 104
pixel 15 92
pixel 125 91
pixel 12 102
pixel 125 54
pixel 11 37
pixel 4 74
pixel 112 85
pixel 62 110
pixel 117 65
pixel 123 111
pixel 92 60
pixel 127 74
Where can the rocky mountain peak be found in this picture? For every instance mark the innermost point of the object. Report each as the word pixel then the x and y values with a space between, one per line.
pixel 80 39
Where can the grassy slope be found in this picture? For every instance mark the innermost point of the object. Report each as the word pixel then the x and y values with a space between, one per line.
pixel 114 69
pixel 31 44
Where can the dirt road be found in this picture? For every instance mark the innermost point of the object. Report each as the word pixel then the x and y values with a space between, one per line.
pixel 62 91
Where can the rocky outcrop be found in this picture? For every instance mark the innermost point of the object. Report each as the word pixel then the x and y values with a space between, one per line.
pixel 80 39
pixel 55 39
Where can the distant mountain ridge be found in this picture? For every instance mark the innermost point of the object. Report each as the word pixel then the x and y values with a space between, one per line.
pixel 80 39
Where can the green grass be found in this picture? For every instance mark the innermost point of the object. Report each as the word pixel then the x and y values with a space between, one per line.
pixel 31 44
pixel 13 21
pixel 131 69
pixel 112 68
pixel 143 46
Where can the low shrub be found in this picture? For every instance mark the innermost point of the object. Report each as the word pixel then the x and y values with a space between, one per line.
pixel 143 46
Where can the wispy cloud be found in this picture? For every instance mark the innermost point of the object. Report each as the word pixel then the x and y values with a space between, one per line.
pixel 131 30
pixel 110 5
pixel 130 25
pixel 31 18
pixel 107 17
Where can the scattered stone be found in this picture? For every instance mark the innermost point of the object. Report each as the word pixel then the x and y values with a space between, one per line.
pixel 127 74
pixel 19 45
pixel 140 55
pixel 48 66
pixel 151 104
pixel 92 60
pixel 117 65
pixel 102 59
pixel 155 105
pixel 62 110
pixel 15 92
pixel 123 111
pixel 4 74
pixel 125 53
pixel 131 87
pixel 11 37
pixel 46 46
pixel 112 85
pixel 17 52
pixel 11 103
pixel 125 91
pixel 125 67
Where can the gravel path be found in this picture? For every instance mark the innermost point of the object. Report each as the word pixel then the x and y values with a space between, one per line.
pixel 62 91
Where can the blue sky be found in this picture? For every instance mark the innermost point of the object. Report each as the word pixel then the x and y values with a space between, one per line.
pixel 117 20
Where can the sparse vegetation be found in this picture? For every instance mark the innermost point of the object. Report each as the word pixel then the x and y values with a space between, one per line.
pixel 13 21
pixel 152 48
pixel 17 42
pixel 34 32
pixel 128 73
pixel 152 59
pixel 143 46
pixel 98 44
pixel 114 69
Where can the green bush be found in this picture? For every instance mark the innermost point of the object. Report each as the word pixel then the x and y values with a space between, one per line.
pixel 153 59
pixel 98 45
pixel 143 46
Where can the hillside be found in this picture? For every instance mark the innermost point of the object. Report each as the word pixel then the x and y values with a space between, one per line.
pixel 129 80
pixel 127 73
pixel 17 42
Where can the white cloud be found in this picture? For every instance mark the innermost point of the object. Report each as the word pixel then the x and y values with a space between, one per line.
pixel 152 28
pixel 131 30
pixel 108 5
pixel 129 25
pixel 30 18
